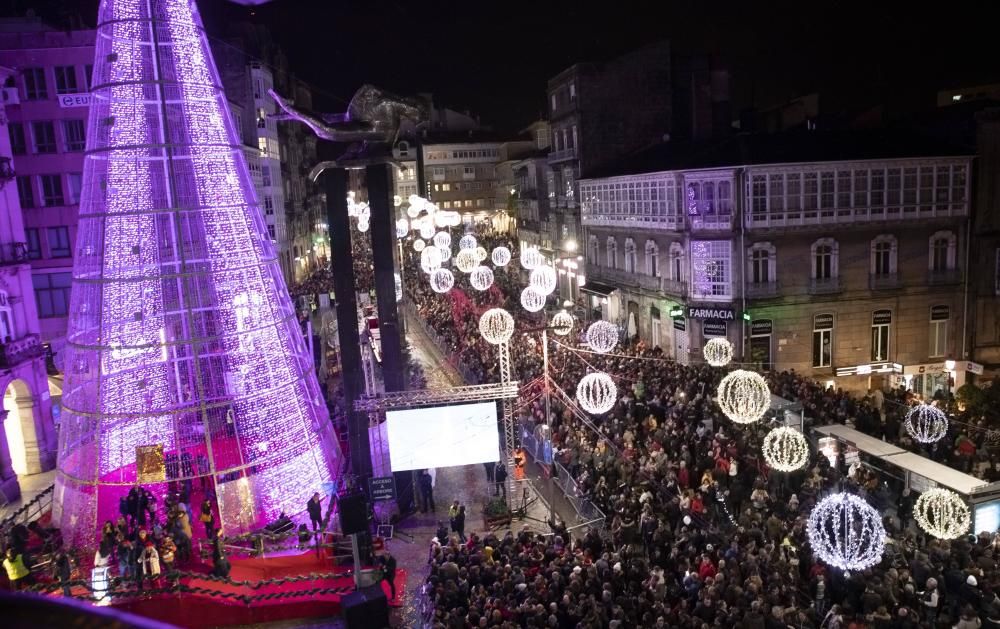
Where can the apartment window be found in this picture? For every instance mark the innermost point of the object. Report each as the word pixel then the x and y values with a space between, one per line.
pixel 676 262
pixel 268 205
pixel 270 232
pixel 52 192
pixel 711 269
pixel 66 80
pixel 593 251
pixel 261 119
pixel 611 253
pixel 468 203
pixel 262 145
pixel 438 173
pixel 265 175
pixel 826 190
pixel 942 251
pixel 25 192
pixel 652 258
pixel 75 183
pixel 758 196
pixel 44 133
pixel 52 294
pixel 34 84
pixel 445 187
pixel 258 88
pixel 938 342
pixel 822 340
pixel 58 242
pixel 34 244
pixel 469 172
pixel 810 192
pixel 793 190
pixel 480 202
pixel 18 145
pixel 447 205
pixel 76 135
pixel 824 259
pixel 553 102
pixel 881 321
pixel 776 192
pixel 572 91
pixel 629 255
pixel 883 256
pixel 762 263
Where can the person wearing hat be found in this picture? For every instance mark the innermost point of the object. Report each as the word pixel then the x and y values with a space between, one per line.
pixel 930 600
pixel 970 593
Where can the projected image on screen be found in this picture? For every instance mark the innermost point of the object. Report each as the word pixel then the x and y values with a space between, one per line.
pixel 443 436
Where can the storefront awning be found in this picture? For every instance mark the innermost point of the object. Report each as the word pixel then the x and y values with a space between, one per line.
pixel 597 288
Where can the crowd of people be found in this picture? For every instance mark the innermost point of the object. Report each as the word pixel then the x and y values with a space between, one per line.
pixel 699 532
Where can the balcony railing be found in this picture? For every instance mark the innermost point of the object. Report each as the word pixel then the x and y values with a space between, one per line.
pixel 762 289
pixel 13 253
pixel 711 221
pixel 824 285
pixel 883 281
pixel 673 287
pixel 13 353
pixel 562 156
pixel 648 282
pixel 944 276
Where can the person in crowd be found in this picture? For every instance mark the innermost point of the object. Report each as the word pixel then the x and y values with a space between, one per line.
pixel 18 573
pixel 500 476
pixel 458 523
pixel 62 572
pixel 388 565
pixel 426 483
pixel 315 509
pixel 149 560
pixel 207 517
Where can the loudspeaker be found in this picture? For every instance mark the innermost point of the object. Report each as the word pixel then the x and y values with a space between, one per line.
pixel 366 608
pixel 353 514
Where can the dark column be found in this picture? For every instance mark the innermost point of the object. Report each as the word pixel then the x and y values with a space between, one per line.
pixel 342 267
pixel 383 234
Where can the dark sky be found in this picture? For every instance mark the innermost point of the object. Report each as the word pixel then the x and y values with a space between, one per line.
pixel 494 57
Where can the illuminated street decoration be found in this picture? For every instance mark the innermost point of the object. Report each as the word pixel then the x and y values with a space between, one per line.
pixel 926 423
pixel 418 245
pixel 531 258
pixel 500 256
pixel 182 334
pixel 543 279
pixel 481 278
pixel 846 532
pixel 442 280
pixel 496 325
pixel 467 241
pixel 602 336
pixel 430 259
pixel 562 323
pixel 466 260
pixel 442 239
pixel 942 513
pixel 532 300
pixel 596 393
pixel 718 352
pixel 744 396
pixel 785 449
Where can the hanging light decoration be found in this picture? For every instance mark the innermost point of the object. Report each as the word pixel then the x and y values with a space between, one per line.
pixel 466 260
pixel 397 200
pixel 416 205
pixel 602 336
pixel 718 352
pixel 481 277
pixel 500 256
pixel 744 396
pixel 543 279
pixel 467 241
pixel 785 449
pixel 442 280
pixel 532 300
pixel 562 323
pixel 481 253
pixel 402 228
pixel 430 259
pixel 926 423
pixel 846 532
pixel 445 253
pixel 531 258
pixel 363 224
pixel 596 393
pixel 442 239
pixel 418 245
pixel 413 211
pixel 942 513
pixel 496 325
pixel 427 228
pixel 447 218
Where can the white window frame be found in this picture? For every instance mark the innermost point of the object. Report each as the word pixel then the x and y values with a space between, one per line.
pixel 713 270
pixel 951 255
pixel 676 271
pixel 834 257
pixel 887 328
pixel 893 251
pixel 937 343
pixel 772 265
pixel 652 258
pixel 611 253
pixel 630 255
pixel 593 250
pixel 818 362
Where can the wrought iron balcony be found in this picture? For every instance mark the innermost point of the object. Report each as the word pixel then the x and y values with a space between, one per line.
pixel 883 281
pixel 824 285
pixel 562 156
pixel 944 276
pixel 12 353
pixel 673 287
pixel 13 253
pixel 758 290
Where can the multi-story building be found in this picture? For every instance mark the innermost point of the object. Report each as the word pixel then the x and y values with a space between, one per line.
pixel 47 102
pixel 28 444
pixel 986 252
pixel 849 271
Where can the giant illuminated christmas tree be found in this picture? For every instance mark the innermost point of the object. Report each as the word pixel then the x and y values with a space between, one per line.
pixel 183 343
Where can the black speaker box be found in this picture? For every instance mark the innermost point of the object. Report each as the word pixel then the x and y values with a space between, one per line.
pixel 353 514
pixel 366 608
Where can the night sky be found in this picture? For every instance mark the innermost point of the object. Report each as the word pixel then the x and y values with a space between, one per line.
pixel 494 57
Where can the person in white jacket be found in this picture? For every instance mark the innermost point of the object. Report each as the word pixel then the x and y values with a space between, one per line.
pixel 150 562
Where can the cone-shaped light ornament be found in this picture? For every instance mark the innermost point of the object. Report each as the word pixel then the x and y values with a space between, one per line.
pixel 184 357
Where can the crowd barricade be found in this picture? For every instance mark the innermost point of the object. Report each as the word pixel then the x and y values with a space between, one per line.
pixel 453 359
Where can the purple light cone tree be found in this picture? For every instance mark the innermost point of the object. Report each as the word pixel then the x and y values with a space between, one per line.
pixel 181 332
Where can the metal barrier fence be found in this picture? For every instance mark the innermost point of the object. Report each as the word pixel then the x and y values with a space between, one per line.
pixel 442 347
pixel 28 512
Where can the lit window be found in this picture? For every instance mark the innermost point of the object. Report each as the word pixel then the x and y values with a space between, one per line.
pixel 881 321
pixel 823 340
pixel 711 268
pixel 938 342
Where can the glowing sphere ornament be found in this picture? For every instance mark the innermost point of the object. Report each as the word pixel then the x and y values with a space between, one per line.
pixel 445 253
pixel 442 280
pixel 496 325
pixel 430 259
pixel 562 323
pixel 427 228
pixel 596 393
pixel 481 278
pixel 481 254
pixel 543 279
pixel 531 259
pixel 467 241
pixel 785 449
pixel 846 532
pixel 363 225
pixel 602 336
pixel 942 513
pixel 926 423
pixel 402 228
pixel 466 260
pixel 418 245
pixel 744 396
pixel 718 352
pixel 416 205
pixel 500 256
pixel 532 300
pixel 442 239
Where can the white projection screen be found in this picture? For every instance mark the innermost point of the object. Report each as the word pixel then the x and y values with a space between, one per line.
pixel 443 436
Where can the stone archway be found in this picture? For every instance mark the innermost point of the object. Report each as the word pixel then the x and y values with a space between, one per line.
pixel 19 428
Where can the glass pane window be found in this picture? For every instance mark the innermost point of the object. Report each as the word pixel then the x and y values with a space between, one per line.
pixel 25 191
pixel 66 80
pixel 824 262
pixel 18 145
pixel 44 133
pixel 52 294
pixel 34 84
pixel 76 135
pixel 59 242
pixel 761 264
pixel 822 348
pixel 34 244
pixel 75 183
pixel 52 192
